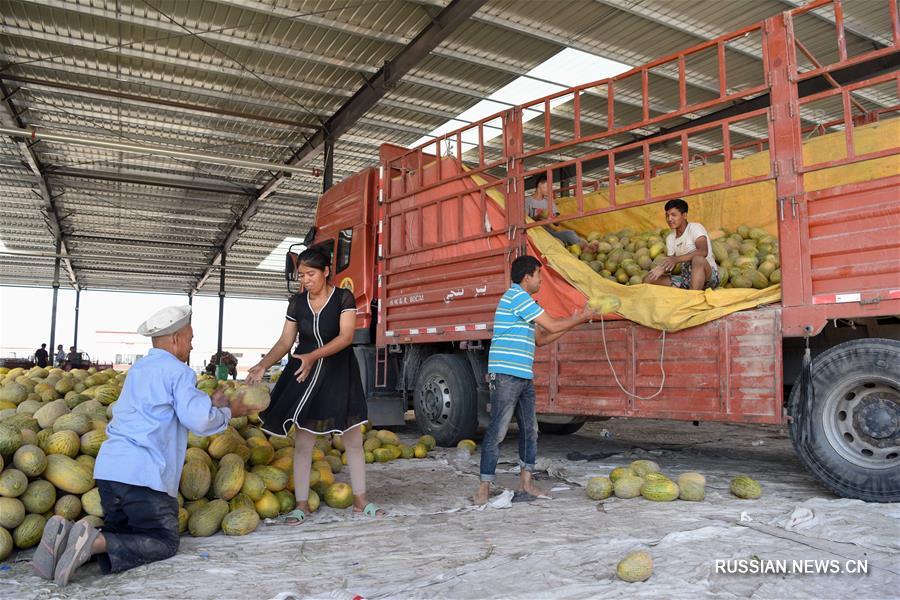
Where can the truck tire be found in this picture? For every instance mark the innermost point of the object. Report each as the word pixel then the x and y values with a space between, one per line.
pixel 560 428
pixel 445 399
pixel 854 432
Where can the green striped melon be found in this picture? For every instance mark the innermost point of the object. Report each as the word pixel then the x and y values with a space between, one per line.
pixel 31 460
pixel 92 440
pixel 68 507
pixel 68 475
pixel 106 394
pixel 90 502
pixel 628 487
pixel 222 444
pixel 195 480
pixel 636 566
pixel 12 512
pixel 50 412
pixel 229 478
pixel 620 472
pixel 599 488
pixel 254 486
pixel 39 497
pixel 28 534
pixel 241 500
pixel 13 483
pixel 642 467
pixel 194 505
pixel 183 517
pixel 64 442
pixel 275 479
pixel 746 488
pixel 80 423
pixel 692 487
pixel 240 522
pixel 659 490
pixel 10 440
pixel 267 506
pixel 197 454
pixel 6 543
pixel 286 501
pixel 206 521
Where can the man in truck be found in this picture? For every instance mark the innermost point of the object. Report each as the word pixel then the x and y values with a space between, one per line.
pixel 510 370
pixel 689 246
pixel 537 206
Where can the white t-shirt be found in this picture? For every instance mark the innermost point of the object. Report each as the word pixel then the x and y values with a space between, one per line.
pixel 686 243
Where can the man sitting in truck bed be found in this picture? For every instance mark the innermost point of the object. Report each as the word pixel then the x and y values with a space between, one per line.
pixel 689 246
pixel 537 206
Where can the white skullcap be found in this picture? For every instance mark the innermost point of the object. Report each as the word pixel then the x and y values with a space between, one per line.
pixel 167 321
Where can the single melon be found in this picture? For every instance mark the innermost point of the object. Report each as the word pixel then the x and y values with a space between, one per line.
pixel 642 467
pixel 691 487
pixel 599 488
pixel 636 566
pixel 746 488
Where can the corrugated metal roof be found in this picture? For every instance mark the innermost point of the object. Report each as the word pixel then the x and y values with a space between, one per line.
pixel 247 78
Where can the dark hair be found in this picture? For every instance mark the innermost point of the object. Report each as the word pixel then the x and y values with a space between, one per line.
pixel 43 345
pixel 315 257
pixel 522 266
pixel 678 203
pixel 540 178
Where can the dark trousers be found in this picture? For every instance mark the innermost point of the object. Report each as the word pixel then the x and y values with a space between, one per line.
pixel 140 526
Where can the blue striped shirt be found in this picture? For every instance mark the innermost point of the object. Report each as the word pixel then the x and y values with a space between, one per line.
pixel 512 345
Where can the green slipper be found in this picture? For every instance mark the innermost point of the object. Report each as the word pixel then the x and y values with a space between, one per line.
pixel 371 510
pixel 295 517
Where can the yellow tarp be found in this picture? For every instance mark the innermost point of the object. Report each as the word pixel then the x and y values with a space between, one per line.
pixel 753 205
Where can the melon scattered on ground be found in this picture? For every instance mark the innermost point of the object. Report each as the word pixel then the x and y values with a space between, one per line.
pixel 636 566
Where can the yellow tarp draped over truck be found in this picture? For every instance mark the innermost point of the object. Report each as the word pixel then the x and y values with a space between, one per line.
pixel 754 205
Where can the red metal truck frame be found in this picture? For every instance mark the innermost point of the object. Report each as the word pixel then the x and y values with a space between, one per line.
pixel 431 302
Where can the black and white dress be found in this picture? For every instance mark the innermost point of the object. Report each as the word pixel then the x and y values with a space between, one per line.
pixel 331 399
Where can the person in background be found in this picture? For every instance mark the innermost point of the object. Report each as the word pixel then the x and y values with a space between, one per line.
pixel 139 466
pixel 41 356
pixel 689 246
pixel 537 206
pixel 60 356
pixel 73 359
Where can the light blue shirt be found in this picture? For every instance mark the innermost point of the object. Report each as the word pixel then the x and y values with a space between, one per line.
pixel 147 437
pixel 512 345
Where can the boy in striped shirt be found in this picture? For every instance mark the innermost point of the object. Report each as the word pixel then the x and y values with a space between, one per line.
pixel 510 364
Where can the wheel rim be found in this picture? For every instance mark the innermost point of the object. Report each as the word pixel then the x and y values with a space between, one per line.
pixel 862 422
pixel 436 401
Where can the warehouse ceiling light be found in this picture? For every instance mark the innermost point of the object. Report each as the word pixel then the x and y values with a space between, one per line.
pixel 275 260
pixel 563 70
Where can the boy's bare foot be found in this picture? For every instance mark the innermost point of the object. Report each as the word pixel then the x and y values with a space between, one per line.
pixel 529 487
pixel 483 494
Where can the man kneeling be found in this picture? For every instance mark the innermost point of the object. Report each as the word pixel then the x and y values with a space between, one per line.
pixel 689 246
pixel 139 466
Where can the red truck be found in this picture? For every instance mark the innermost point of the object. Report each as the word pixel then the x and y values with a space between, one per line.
pixel 426 239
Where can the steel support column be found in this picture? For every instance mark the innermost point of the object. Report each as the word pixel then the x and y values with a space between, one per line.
pixel 55 298
pixel 221 307
pixel 77 308
pixel 328 171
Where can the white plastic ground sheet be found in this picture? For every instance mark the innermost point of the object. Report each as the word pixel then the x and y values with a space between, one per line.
pixel 435 544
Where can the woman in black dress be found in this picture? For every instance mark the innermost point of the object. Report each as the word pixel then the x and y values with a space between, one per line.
pixel 325 393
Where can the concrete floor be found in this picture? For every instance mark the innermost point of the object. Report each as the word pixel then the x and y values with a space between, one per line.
pixel 435 545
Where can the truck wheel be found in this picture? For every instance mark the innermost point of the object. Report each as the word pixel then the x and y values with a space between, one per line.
pixel 560 428
pixel 854 432
pixel 445 399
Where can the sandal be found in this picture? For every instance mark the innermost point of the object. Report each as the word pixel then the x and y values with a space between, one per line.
pixel 295 517
pixel 371 510
pixel 78 551
pixel 53 543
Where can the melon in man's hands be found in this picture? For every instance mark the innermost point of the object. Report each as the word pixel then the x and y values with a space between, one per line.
pixel 254 397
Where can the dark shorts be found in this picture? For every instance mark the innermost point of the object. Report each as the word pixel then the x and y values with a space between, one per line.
pixel 683 281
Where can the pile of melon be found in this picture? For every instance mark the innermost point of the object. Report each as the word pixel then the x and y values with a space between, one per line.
pixel 643 478
pixel 747 257
pixel 53 423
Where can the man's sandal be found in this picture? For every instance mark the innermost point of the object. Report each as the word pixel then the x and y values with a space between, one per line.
pixel 295 517
pixel 371 510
